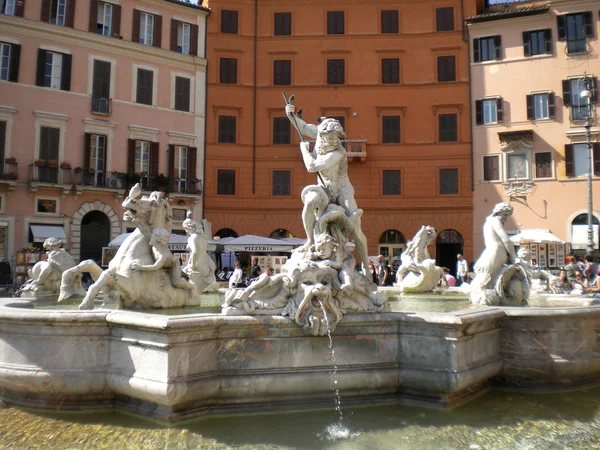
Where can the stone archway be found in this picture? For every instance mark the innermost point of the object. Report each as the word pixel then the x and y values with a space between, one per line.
pixel 115 224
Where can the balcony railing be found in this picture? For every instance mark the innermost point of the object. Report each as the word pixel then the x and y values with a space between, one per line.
pixel 10 169
pixel 185 186
pixel 356 147
pixel 101 105
pixel 47 172
pixel 576 46
pixel 99 178
pixel 580 112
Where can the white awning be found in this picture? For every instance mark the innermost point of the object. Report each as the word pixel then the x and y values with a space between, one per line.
pixel 257 244
pixel 536 237
pixel 177 242
pixel 43 232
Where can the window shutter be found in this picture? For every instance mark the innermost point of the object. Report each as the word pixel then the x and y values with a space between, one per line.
pixel 174 24
pixel 171 170
pixel 135 29
pixel 192 158
pixel 131 156
pixel 588 24
pixel 548 40
pixel 594 88
pixel 551 106
pixel 476 50
pixel 45 14
pixel 442 69
pixel 157 34
pixel 569 163
pixel 562 28
pixel 20 7
pixel 41 67
pixel 65 81
pixel 154 158
pixel 194 40
pixel 15 60
pixel 498 47
pixel 526 43
pixel 566 86
pixel 479 112
pixel 530 109
pixel 500 110
pixel 116 21
pixel 596 156
pixel 70 18
pixel 86 150
pixel 93 24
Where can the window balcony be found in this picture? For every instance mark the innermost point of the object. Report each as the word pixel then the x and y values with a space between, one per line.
pixel 101 105
pixel 185 186
pixel 575 46
pixel 9 173
pixel 580 113
pixel 49 174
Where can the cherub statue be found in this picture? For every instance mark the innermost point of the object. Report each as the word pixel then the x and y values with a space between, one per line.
pixel 200 267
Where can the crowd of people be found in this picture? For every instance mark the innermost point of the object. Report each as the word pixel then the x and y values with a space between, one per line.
pixel 578 277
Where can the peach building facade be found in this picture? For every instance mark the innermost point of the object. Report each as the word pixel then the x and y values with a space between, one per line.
pixel 395 74
pixel 95 96
pixel 529 65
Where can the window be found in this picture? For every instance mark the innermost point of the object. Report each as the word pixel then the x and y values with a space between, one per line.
pixel 448 181
pixel 446 66
pixel 517 166
pixel 543 165
pixel 101 87
pixel 142 157
pixel 572 89
pixel 390 129
pixel 444 19
pixel 48 151
pixel 58 12
pixel 489 110
pixel 537 42
pixel 146 28
pixel 96 160
pixel 229 21
pixel 540 106
pixel 390 70
pixel 2 149
pixel 228 70
pixel 227 129
pixel 448 127
pixel 487 48
pixel 7 7
pixel 576 159
pixel 104 21
pixel 145 86
pixel 226 182
pixel 335 22
pixel 54 70
pixel 180 163
pixel 389 22
pixel 46 206
pixel 491 169
pixel 10 56
pixel 281 183
pixel 391 182
pixel 335 71
pixel 183 38
pixel 574 28
pixel 283 24
pixel 182 94
pixel 282 72
pixel 281 130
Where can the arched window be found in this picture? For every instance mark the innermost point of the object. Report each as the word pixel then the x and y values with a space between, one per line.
pixel 225 232
pixel 448 244
pixel 579 231
pixel 281 234
pixel 391 246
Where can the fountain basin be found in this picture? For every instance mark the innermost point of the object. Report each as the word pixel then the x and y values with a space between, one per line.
pixel 172 368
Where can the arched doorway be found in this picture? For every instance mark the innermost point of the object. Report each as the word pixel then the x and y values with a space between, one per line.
pixel 225 232
pixel 448 244
pixel 281 234
pixel 579 232
pixel 95 234
pixel 391 246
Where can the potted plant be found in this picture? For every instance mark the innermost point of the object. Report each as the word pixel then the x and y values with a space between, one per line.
pixel 10 160
pixel 53 164
pixel 40 163
pixel 65 165
pixel 77 170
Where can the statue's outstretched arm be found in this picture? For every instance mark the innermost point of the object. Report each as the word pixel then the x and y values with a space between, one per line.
pixel 159 264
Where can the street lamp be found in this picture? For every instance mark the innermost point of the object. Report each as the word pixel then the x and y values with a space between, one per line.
pixel 586 95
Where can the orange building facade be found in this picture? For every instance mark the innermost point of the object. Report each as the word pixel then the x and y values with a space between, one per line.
pixel 396 75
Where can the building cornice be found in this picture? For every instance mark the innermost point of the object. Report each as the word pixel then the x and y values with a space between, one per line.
pixel 74 37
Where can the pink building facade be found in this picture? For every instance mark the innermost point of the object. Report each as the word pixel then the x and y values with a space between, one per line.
pixel 96 96
pixel 529 64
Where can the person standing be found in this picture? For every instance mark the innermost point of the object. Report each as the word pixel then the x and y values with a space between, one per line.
pixel 236 278
pixel 462 269
pixel 256 270
pixel 382 271
pixel 572 267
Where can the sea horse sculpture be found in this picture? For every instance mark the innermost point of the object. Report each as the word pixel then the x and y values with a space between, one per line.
pixel 144 273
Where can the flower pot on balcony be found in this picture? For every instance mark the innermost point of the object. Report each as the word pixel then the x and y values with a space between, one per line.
pixel 52 164
pixel 66 166
pixel 10 160
pixel 40 163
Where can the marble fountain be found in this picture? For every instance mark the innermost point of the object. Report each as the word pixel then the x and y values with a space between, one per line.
pixel 270 347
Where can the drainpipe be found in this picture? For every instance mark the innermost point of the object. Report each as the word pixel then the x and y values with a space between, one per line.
pixel 254 99
pixel 205 116
pixel 468 41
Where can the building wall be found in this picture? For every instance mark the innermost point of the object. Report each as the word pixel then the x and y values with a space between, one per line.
pixel 553 202
pixel 361 100
pixel 25 106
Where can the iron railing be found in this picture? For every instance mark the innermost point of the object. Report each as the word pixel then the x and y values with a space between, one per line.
pixel 101 105
pixel 45 172
pixel 576 46
pixel 10 170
